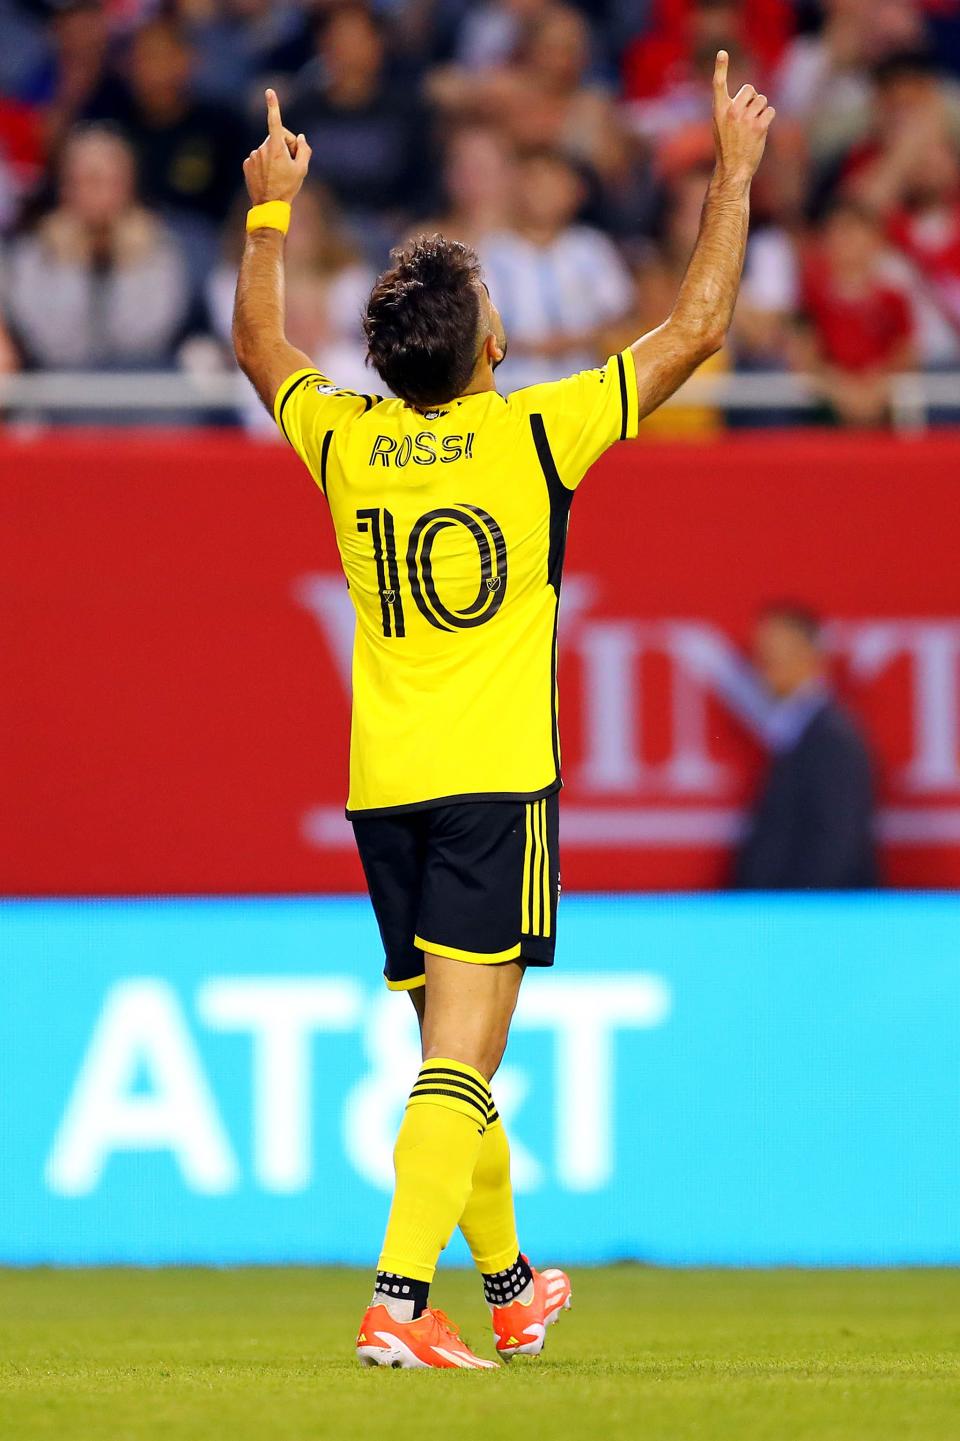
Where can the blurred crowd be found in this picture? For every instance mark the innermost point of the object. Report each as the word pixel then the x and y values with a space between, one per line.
pixel 570 143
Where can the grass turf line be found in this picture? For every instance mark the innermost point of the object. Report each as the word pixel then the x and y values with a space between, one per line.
pixel 661 1355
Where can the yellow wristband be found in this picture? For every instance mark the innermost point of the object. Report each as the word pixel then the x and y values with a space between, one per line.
pixel 272 215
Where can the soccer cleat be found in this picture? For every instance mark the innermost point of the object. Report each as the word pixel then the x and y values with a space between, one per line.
pixel 520 1328
pixel 430 1340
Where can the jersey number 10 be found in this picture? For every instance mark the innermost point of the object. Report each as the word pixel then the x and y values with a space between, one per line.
pixel 491 550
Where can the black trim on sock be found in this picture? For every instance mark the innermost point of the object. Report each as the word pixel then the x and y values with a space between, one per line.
pixel 403 1288
pixel 502 1287
pixel 422 1090
pixel 448 1074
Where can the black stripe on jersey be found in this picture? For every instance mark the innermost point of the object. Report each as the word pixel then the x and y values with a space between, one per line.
pixel 294 385
pixel 324 452
pixel 560 501
pixel 393 575
pixel 623 397
pixel 553 693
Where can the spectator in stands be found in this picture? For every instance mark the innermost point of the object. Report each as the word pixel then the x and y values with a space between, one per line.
pixel 812 828
pixel 553 102
pixel 911 176
pixel 21 157
pixel 100 283
pixel 673 28
pixel 825 79
pixel 478 181
pixel 558 285
pixel 667 73
pixel 925 228
pixel 326 285
pixel 188 151
pixel 240 45
pixel 913 105
pixel 369 134
pixel 491 34
pixel 865 114
pixel 544 97
pixel 75 75
pixel 859 322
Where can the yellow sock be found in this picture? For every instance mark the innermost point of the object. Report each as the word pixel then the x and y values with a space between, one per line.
pixel 435 1158
pixel 488 1222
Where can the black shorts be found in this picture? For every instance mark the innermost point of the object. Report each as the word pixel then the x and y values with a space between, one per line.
pixel 475 881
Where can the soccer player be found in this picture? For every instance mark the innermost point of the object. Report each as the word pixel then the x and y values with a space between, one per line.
pixel 450 506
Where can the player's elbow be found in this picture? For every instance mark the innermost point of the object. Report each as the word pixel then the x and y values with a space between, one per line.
pixel 241 349
pixel 713 341
pixel 701 337
pixel 707 341
pixel 251 350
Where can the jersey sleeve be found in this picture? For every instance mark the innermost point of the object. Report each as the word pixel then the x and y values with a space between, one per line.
pixel 581 417
pixel 308 408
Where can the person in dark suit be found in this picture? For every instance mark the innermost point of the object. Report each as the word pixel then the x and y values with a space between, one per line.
pixel 812 828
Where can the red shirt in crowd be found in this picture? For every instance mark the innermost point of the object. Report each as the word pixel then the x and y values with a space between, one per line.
pixel 21 139
pixel 931 240
pixel 856 332
pixel 659 57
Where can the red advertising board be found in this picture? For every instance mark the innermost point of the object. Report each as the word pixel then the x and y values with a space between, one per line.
pixel 176 635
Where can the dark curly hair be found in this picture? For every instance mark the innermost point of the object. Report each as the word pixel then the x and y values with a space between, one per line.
pixel 422 321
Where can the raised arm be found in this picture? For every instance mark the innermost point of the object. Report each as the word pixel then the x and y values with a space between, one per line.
pixel 701 317
pixel 275 172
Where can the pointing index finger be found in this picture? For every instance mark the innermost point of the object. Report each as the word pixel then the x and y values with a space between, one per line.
pixel 274 122
pixel 720 74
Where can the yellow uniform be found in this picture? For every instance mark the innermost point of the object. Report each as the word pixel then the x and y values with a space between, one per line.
pixel 451 527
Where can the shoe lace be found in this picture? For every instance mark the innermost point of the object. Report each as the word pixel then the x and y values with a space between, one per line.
pixel 446 1323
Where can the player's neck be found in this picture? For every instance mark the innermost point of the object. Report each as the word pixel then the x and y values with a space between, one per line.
pixel 482 380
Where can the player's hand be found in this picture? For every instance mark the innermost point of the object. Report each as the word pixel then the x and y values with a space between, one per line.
pixel 740 125
pixel 278 169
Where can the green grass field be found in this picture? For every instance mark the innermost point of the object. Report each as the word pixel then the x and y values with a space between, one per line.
pixel 729 1356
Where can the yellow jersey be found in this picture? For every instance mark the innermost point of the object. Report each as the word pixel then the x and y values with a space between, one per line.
pixel 451 525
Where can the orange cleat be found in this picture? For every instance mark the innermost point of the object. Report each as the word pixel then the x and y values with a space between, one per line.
pixel 430 1340
pixel 520 1328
